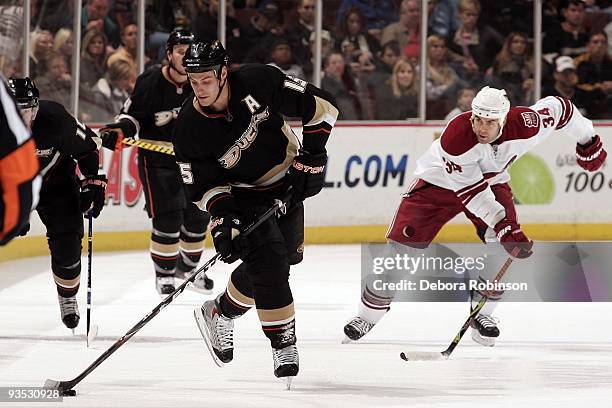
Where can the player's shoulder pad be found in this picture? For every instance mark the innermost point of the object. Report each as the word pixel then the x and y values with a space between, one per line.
pixel 258 74
pixel 521 123
pixel 458 137
pixel 53 119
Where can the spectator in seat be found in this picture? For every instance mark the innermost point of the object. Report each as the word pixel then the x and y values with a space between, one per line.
pixel 443 82
pixel 464 102
pixel 63 44
pixel 327 45
pixel 397 98
pixel 512 69
pixel 263 30
pixel 378 14
pixel 40 48
pixel 55 84
pixel 594 68
pixel 299 34
pixel 592 103
pixel 407 30
pixel 128 51
pixel 93 57
pixel 282 59
pixel 569 37
pixel 339 81
pixel 110 92
pixel 476 45
pixel 95 16
pixel 357 45
pixel 205 28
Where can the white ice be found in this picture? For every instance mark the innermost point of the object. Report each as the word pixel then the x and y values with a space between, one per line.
pixel 549 355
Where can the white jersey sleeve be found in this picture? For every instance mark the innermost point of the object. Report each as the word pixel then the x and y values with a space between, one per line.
pixel 458 162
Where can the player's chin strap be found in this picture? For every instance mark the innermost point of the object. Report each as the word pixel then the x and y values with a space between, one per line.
pixel 220 86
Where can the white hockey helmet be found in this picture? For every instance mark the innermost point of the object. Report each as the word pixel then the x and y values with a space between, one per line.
pixel 491 103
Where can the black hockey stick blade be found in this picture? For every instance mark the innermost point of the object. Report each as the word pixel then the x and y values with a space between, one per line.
pixel 66 386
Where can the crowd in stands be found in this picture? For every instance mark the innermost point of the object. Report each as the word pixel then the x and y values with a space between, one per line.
pixel 371 57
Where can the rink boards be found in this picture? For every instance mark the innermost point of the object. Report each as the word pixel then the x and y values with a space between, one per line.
pixel 369 167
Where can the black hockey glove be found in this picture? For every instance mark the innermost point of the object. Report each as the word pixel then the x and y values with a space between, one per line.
pixel 112 134
pixel 93 189
pixel 307 175
pixel 225 231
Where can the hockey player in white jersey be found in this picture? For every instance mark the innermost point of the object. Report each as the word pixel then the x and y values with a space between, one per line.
pixel 465 170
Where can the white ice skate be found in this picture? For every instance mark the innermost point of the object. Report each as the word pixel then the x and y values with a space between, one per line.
pixel 164 285
pixel 286 363
pixel 202 284
pixel 70 311
pixel 217 330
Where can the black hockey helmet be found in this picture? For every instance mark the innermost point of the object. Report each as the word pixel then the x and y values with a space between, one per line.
pixel 179 36
pixel 204 57
pixel 25 92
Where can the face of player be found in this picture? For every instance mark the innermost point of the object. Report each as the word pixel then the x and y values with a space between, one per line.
pixel 176 57
pixel 486 130
pixel 206 86
pixel 28 115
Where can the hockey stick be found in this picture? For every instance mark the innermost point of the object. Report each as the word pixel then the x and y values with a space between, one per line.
pixel 445 355
pixel 158 146
pixel 66 386
pixel 92 331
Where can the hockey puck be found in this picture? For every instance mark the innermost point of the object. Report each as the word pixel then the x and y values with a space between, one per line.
pixel 69 393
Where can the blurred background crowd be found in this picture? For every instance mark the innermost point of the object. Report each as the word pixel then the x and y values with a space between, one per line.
pixel 371 50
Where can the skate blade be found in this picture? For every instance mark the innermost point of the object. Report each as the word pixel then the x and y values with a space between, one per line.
pixel 288 383
pixel 346 340
pixel 91 335
pixel 194 288
pixel 201 323
pixel 482 340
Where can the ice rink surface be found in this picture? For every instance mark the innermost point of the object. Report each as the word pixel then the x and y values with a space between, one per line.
pixel 549 355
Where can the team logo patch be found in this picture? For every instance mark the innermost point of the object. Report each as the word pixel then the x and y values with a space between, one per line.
pixel 531 119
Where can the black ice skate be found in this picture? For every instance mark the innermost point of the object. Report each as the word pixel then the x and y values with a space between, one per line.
pixel 286 363
pixel 164 285
pixel 357 328
pixel 484 330
pixel 217 330
pixel 70 311
pixel 202 283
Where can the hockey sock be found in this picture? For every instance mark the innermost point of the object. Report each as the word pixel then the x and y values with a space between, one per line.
pixel 164 251
pixel 372 307
pixel 279 325
pixel 191 245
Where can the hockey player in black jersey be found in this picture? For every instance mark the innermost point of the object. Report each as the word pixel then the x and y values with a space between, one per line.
pixel 179 228
pixel 237 154
pixel 64 198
